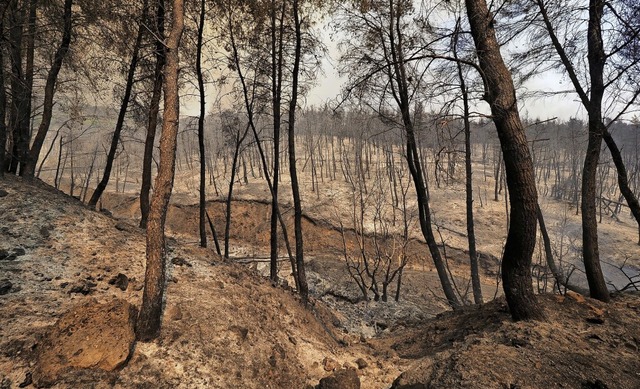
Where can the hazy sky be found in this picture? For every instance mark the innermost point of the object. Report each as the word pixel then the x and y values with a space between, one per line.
pixel 329 87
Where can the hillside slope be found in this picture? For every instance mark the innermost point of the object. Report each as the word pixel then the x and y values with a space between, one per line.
pixel 223 325
pixel 227 327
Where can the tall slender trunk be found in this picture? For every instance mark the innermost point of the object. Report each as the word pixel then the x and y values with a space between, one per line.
pixel 102 185
pixel 501 96
pixel 593 104
pixel 29 167
pixel 471 235
pixel 401 95
pixel 150 317
pixel 249 109
pixel 3 99
pixel 590 251
pixel 28 75
pixel 295 190
pixel 203 199
pixel 18 115
pixel 152 120
pixel 276 86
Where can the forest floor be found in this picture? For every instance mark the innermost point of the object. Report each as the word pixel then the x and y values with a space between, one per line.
pixel 226 326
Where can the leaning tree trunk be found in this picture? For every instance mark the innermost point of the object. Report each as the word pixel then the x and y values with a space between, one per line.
pixel 557 272
pixel 152 121
pixel 501 96
pixel 149 319
pixel 49 90
pixel 623 180
pixel 102 185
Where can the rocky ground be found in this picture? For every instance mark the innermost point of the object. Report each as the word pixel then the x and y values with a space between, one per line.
pixel 71 278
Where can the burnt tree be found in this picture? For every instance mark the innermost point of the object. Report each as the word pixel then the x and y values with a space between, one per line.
pixel 150 317
pixel 501 96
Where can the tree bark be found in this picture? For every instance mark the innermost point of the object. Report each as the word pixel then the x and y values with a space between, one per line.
pixel 102 185
pixel 49 91
pixel 149 319
pixel 152 120
pixel 501 96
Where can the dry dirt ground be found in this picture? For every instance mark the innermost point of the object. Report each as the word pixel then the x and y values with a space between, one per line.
pixel 226 326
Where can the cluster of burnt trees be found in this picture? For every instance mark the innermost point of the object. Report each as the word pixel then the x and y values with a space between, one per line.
pixel 401 59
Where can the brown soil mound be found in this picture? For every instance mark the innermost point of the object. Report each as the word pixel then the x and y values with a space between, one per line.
pixel 583 344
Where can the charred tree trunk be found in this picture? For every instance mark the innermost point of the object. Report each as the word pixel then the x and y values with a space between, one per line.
pixel 214 234
pixel 501 96
pixel 3 99
pixel 248 103
pixel 49 91
pixel 623 180
pixel 471 236
pixel 401 95
pixel 593 104
pixel 234 169
pixel 123 111
pixel 58 176
pixel 28 73
pixel 277 55
pixel 152 121
pixel 150 317
pixel 297 206
pixel 20 98
pixel 557 272
pixel 203 199
pixel 590 251
pixel 596 57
